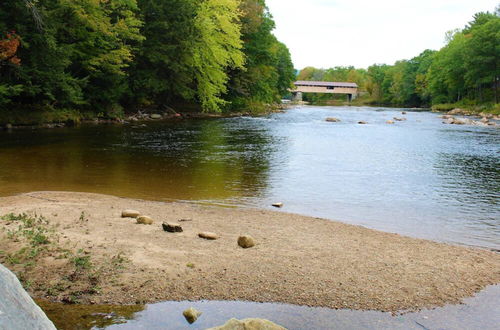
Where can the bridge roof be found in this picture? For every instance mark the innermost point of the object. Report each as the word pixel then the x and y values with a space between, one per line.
pixel 325 84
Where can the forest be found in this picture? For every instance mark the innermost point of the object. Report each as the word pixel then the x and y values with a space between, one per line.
pixel 464 73
pixel 71 60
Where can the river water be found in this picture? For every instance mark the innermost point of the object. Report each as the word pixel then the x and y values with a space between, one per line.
pixel 418 177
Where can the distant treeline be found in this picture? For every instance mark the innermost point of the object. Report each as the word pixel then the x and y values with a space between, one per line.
pixel 103 56
pixel 466 70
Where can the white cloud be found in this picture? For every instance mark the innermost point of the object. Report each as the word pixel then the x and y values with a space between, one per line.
pixel 324 33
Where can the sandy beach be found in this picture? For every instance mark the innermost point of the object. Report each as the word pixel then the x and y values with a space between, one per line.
pixel 96 256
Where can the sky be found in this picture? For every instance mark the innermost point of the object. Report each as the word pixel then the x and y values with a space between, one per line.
pixel 328 33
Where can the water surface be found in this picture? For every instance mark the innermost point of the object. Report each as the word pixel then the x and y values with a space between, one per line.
pixel 418 177
pixel 480 312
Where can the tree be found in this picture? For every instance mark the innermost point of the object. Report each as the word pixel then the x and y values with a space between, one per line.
pixel 216 49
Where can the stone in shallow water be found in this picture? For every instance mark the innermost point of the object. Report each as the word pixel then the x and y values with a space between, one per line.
pixel 246 241
pixel 172 227
pixel 130 214
pixel 144 220
pixel 208 235
pixel 277 204
pixel 332 120
pixel 191 315
pixel 249 324
pixel 389 122
pixel 362 122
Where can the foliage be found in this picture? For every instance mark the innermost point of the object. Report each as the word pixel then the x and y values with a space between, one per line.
pixel 466 70
pixel 103 56
pixel 268 72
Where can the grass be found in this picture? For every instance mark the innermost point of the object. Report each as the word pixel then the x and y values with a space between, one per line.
pixel 29 240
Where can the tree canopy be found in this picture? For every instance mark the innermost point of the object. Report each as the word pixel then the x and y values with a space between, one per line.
pixel 105 56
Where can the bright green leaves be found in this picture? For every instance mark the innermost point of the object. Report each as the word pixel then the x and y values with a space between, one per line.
pixel 216 49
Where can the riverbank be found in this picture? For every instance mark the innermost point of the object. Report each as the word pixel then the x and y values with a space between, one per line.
pixel 43 118
pixel 82 251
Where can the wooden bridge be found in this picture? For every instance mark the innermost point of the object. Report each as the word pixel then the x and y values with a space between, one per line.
pixel 327 87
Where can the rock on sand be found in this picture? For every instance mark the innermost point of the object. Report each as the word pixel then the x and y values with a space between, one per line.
pixel 144 220
pixel 130 214
pixel 246 241
pixel 208 235
pixel 172 227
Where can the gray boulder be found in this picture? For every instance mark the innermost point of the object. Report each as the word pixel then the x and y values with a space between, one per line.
pixel 17 310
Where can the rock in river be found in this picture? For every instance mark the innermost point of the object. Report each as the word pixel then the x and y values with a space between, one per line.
pixel 277 204
pixel 332 120
pixel 191 315
pixel 362 122
pixel 144 220
pixel 389 122
pixel 172 227
pixel 249 324
pixel 208 235
pixel 246 241
pixel 130 214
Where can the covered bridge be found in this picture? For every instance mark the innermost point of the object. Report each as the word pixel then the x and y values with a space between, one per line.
pixel 327 87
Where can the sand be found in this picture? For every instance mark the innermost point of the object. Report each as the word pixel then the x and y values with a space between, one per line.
pixel 297 259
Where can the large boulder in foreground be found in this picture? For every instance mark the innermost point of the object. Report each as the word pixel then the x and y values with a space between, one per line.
pixel 249 324
pixel 17 309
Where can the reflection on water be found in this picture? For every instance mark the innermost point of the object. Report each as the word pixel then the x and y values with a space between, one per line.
pixel 70 317
pixel 481 312
pixel 419 177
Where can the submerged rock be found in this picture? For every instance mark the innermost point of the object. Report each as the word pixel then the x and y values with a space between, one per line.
pixel 208 235
pixel 172 227
pixel 277 204
pixel 246 241
pixel 191 315
pixel 249 324
pixel 399 119
pixel 332 120
pixel 145 220
pixel 362 122
pixel 130 214
pixel 389 122
pixel 17 309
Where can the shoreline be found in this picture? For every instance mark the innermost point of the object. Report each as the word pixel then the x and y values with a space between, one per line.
pixel 297 259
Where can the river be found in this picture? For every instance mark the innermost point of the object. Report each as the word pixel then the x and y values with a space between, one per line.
pixel 418 177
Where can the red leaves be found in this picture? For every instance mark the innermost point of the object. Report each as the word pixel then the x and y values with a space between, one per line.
pixel 8 48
